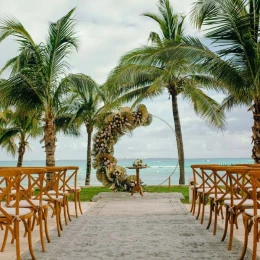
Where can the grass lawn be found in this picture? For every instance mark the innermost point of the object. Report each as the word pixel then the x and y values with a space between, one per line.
pixel 88 193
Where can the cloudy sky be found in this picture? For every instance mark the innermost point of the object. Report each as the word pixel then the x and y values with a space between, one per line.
pixel 108 29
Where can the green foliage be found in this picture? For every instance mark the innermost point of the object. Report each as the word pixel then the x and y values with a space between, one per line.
pixel 88 193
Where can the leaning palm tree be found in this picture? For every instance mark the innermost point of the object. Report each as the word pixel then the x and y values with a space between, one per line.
pixel 233 26
pixel 148 71
pixel 88 107
pixel 18 129
pixel 35 81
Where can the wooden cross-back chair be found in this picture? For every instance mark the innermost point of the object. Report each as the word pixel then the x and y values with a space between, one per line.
pixel 52 194
pixel 31 197
pixel 251 217
pixel 239 182
pixel 10 217
pixel 69 187
pixel 221 192
pixel 205 188
pixel 198 186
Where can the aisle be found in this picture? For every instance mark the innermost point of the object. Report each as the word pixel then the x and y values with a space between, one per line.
pixel 119 226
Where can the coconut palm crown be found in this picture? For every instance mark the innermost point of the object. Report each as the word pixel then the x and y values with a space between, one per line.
pixel 148 71
pixel 86 105
pixel 233 27
pixel 38 72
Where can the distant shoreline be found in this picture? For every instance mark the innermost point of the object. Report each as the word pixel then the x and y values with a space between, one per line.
pixel 134 158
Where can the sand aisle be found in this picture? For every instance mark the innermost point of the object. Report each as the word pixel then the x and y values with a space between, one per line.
pixel 120 226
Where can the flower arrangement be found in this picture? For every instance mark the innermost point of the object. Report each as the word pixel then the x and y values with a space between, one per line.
pixel 116 125
pixel 139 163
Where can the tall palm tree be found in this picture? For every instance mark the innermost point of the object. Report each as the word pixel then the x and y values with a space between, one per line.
pixel 87 101
pixel 233 27
pixel 37 76
pixel 18 127
pixel 147 71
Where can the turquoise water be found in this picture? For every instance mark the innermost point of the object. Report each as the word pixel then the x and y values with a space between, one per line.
pixel 159 168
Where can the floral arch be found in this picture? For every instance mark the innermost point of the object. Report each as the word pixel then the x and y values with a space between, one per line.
pixel 116 125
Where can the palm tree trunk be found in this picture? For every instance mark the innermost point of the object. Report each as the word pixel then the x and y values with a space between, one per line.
pixel 50 140
pixel 256 131
pixel 21 152
pixel 178 134
pixel 88 170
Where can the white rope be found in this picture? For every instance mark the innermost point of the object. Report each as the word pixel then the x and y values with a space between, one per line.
pixel 16 217
pixel 231 209
pixel 255 218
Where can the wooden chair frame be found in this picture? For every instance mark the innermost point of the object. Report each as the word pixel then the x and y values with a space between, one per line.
pixel 252 219
pixel 11 217
pixel 238 178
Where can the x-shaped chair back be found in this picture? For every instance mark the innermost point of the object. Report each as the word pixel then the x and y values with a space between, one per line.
pixel 10 180
pixel 200 176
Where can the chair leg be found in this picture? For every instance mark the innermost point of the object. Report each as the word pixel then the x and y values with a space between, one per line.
pixel 210 212
pixel 64 210
pixel 247 221
pixel 231 232
pixel 226 224
pixel 30 239
pixel 192 203
pixel 80 209
pixel 17 238
pixel 5 238
pixel 41 229
pixel 216 213
pixel 68 210
pixel 204 202
pixel 255 239
pixel 200 199
pixel 45 215
pixel 60 206
pixel 75 203
pixel 57 211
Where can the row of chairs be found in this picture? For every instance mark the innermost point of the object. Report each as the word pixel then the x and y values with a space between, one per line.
pixel 235 188
pixel 27 193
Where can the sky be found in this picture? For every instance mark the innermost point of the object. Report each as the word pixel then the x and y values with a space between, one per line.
pixel 107 29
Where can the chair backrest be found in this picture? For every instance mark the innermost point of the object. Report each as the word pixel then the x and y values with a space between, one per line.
pixel 70 179
pixel 221 182
pixel 10 179
pixel 34 178
pixel 53 180
pixel 240 183
pixel 255 180
pixel 202 175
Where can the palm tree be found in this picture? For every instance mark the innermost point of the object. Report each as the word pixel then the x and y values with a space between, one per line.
pixel 17 126
pixel 233 25
pixel 87 101
pixel 35 81
pixel 147 71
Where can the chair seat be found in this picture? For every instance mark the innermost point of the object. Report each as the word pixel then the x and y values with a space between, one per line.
pixel 46 197
pixel 211 190
pixel 26 204
pixel 219 195
pixel 11 211
pixel 236 202
pixel 53 192
pixel 250 212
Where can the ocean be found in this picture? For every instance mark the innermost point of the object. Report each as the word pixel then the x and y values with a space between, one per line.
pixel 157 174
